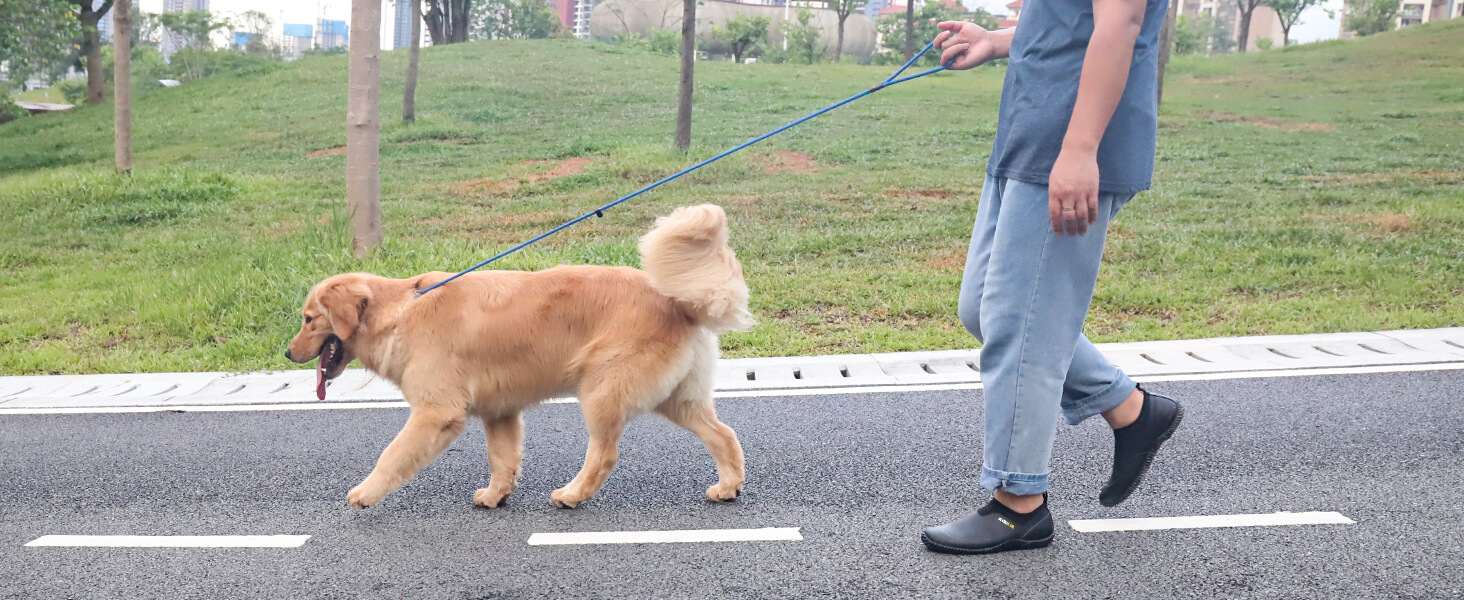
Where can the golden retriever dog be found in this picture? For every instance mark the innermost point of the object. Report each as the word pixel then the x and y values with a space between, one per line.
pixel 493 343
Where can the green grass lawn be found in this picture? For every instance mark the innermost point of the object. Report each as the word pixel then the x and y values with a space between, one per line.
pixel 51 94
pixel 1320 188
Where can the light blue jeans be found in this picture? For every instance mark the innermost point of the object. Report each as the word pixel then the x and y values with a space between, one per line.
pixel 1025 293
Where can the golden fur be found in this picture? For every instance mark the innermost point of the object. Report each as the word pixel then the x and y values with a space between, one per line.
pixel 493 343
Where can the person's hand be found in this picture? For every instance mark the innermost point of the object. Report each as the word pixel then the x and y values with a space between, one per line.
pixel 1072 191
pixel 964 45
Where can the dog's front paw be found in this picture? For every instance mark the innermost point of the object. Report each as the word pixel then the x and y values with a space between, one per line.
pixel 563 498
pixel 362 496
pixel 724 492
pixel 490 498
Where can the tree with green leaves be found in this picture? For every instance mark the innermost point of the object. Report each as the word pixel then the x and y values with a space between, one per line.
pixel 1192 34
pixel 36 37
pixel 257 26
pixel 803 38
pixel 908 44
pixel 91 45
pixel 842 10
pixel 1289 12
pixel 892 31
pixel 192 30
pixel 1247 9
pixel 743 34
pixel 1367 17
pixel 514 19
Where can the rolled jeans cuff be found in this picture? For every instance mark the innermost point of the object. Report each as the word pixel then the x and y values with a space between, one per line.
pixel 1020 484
pixel 1100 402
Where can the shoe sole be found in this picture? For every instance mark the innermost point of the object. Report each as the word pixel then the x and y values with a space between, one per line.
pixel 1149 457
pixel 1017 544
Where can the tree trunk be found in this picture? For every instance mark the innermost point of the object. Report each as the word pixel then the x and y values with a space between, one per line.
pixel 909 29
pixel 1244 38
pixel 447 20
pixel 91 45
pixel 461 18
pixel 122 94
pixel 363 179
pixel 839 46
pixel 96 80
pixel 409 94
pixel 435 20
pixel 688 64
pixel 1166 45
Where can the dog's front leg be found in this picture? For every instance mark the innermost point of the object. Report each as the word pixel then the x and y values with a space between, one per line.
pixel 505 454
pixel 605 420
pixel 426 435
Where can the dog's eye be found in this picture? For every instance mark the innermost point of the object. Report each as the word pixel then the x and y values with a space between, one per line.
pixel 308 319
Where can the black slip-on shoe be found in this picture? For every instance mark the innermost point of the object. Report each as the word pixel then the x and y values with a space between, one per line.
pixel 992 528
pixel 1134 446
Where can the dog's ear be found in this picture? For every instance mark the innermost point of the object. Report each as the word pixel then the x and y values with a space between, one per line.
pixel 345 303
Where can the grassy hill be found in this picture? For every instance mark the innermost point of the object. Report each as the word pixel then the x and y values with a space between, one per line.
pixel 1319 188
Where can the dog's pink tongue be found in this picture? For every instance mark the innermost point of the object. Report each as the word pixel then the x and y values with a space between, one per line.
pixel 319 382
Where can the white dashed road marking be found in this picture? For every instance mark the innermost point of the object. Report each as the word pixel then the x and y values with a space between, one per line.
pixel 1209 521
pixel 169 541
pixel 766 534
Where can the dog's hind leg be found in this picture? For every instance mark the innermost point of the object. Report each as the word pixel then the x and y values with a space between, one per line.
pixel 426 434
pixel 505 454
pixel 700 417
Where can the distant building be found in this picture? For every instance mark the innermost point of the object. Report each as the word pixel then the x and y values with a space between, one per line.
pixel 890 8
pixel 1264 23
pixel 173 6
pixel 1411 12
pixel 872 7
pixel 402 24
pixel 563 12
pixel 330 34
pixel 172 42
pixel 104 26
pixel 241 39
pixel 1418 12
pixel 582 11
pixel 1016 13
pixel 297 38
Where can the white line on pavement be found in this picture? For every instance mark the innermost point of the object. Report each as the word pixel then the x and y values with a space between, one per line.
pixel 1209 521
pixel 766 534
pixel 170 541
pixel 770 393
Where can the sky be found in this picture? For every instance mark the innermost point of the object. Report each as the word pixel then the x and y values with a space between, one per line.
pixel 1315 24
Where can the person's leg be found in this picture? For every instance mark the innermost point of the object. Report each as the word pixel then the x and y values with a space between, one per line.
pixel 1141 421
pixel 1094 386
pixel 1029 307
pixel 973 281
pixel 1037 290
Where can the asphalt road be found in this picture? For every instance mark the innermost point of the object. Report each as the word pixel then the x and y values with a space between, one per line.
pixel 859 474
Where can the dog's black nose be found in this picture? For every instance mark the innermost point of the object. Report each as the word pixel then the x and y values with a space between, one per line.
pixel 287 355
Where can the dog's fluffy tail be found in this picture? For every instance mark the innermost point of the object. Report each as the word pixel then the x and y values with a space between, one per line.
pixel 688 259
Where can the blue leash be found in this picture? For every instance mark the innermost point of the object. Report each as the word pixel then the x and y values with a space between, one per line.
pixel 893 79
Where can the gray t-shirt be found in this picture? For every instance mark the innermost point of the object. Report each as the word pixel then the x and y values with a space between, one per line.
pixel 1042 86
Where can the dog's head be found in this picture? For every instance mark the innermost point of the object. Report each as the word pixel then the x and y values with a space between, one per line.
pixel 333 312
